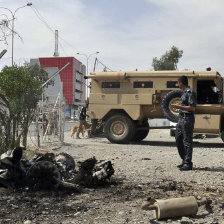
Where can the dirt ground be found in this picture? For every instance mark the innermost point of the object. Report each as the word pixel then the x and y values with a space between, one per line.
pixel 143 170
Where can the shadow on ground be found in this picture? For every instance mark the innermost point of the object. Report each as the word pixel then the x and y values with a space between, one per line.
pixel 173 144
pixel 213 169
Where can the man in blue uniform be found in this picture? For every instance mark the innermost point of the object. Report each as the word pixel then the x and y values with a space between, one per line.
pixel 185 126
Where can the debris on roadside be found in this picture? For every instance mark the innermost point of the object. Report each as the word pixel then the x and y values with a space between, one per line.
pixel 210 189
pixel 174 207
pixel 52 172
pixel 91 173
pixel 168 186
pixel 185 220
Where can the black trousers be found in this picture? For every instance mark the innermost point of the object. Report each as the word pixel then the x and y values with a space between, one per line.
pixel 184 138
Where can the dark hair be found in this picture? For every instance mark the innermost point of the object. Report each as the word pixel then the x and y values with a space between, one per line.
pixel 183 79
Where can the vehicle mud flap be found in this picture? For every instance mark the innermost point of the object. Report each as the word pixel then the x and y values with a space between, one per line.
pixel 222 135
pixel 141 133
pixel 172 97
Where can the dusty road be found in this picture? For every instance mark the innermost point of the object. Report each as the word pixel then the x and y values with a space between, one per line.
pixel 141 170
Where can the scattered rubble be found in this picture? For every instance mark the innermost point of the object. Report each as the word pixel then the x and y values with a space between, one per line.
pixel 186 220
pixel 119 201
pixel 168 186
pixel 27 222
pixel 145 158
pixel 51 172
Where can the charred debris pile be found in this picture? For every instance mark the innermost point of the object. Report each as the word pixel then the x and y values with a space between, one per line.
pixel 58 172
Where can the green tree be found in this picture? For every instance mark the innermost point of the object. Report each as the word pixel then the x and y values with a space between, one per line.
pixel 38 72
pixel 168 61
pixel 21 87
pixel 4 122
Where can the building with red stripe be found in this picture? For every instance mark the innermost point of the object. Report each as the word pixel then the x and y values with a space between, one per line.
pixel 72 78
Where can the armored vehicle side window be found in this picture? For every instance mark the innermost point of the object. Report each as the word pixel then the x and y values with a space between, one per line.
pixel 143 84
pixel 110 85
pixel 208 93
pixel 171 84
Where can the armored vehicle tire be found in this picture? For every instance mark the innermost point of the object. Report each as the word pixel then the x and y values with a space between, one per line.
pixel 222 135
pixel 119 129
pixel 141 134
pixel 172 97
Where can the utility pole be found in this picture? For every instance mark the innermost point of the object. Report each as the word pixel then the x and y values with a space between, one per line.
pixel 13 25
pixel 56 53
pixel 87 68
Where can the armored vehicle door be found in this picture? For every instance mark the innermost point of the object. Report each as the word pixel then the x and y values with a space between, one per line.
pixel 209 105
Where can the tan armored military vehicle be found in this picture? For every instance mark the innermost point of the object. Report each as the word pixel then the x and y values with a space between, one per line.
pixel 124 101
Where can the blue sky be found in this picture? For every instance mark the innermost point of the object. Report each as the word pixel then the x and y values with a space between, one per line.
pixel 128 33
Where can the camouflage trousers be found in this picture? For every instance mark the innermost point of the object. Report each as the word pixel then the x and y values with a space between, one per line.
pixel 184 138
pixel 81 123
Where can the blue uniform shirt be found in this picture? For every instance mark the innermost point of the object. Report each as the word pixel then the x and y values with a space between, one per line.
pixel 188 98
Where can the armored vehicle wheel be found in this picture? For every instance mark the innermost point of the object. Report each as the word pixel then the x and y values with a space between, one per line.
pixel 119 129
pixel 141 134
pixel 222 135
pixel 172 97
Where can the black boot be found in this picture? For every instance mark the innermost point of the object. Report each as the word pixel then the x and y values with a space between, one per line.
pixel 186 167
pixel 179 166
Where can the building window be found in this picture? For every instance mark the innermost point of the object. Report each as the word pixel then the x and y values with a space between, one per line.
pixel 172 84
pixel 78 76
pixel 110 85
pixel 143 84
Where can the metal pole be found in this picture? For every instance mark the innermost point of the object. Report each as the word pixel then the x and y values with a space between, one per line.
pixel 13 18
pixel 13 26
pixel 56 73
pixel 52 111
pixel 87 69
pixel 95 64
pixel 3 53
pixel 60 119
pixel 42 96
pixel 87 72
pixel 37 128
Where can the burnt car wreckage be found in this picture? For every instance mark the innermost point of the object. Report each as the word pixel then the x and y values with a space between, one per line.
pixel 52 172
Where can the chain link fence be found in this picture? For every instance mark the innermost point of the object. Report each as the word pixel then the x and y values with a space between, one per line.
pixel 47 129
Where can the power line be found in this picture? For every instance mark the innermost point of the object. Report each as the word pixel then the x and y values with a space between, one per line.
pixel 6 24
pixel 42 19
pixel 98 61
pixel 65 41
pixel 4 36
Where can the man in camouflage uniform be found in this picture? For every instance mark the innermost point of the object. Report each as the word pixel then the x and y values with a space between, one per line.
pixel 185 126
pixel 82 120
